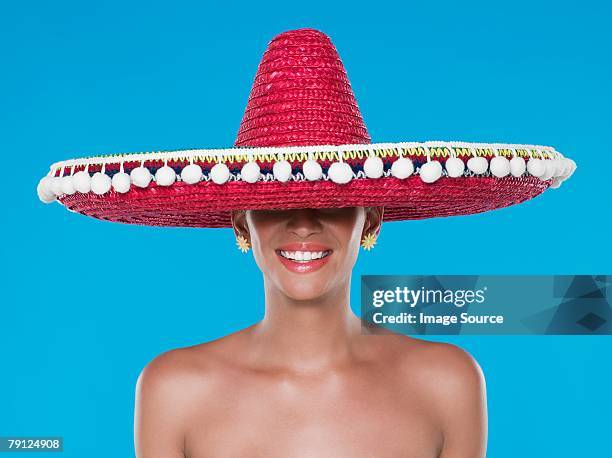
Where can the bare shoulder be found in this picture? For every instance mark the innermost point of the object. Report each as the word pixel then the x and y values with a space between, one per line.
pixel 168 391
pixel 183 373
pixel 442 373
pixel 172 367
pixel 200 363
pixel 169 378
pixel 451 366
pixel 431 359
pixel 451 383
pixel 168 370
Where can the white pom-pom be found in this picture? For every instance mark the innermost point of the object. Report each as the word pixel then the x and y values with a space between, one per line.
pixel 312 170
pixel 121 182
pixel 500 166
pixel 191 174
pixel 556 183
pixel 402 168
pixel 56 185
pixel 478 165
pixel 536 167
pixel 220 173
pixel 45 184
pixel 565 167
pixel 340 172
pixel 100 183
pixel 549 170
pixel 454 167
pixel 140 177
pixel 82 181
pixel 66 185
pixel 373 167
pixel 430 171
pixel 165 176
pixel 282 170
pixel 44 190
pixel 250 172
pixel 555 167
pixel 558 167
pixel 517 166
pixel 572 168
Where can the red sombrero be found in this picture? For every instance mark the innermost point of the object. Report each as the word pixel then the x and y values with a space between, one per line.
pixel 302 143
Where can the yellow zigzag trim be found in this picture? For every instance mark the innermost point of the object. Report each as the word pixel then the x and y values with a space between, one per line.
pixel 301 156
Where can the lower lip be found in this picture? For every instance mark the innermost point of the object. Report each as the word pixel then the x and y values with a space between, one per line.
pixel 302 267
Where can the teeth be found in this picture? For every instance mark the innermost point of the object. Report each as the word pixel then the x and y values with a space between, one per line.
pixel 304 256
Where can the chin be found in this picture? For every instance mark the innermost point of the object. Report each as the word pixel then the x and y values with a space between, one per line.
pixel 303 289
pixel 304 292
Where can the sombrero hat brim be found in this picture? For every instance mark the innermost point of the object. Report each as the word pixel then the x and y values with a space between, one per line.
pixel 200 188
pixel 302 143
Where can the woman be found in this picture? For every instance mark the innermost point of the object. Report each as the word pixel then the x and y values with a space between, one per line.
pixel 303 187
pixel 306 381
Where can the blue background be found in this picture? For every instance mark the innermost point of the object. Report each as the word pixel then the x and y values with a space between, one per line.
pixel 86 304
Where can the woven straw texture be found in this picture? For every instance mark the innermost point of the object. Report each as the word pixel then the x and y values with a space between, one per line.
pixel 301 96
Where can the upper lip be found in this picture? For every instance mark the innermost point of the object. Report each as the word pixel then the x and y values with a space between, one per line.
pixel 303 246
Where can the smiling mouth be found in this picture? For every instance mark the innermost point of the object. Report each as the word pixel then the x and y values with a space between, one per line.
pixel 304 256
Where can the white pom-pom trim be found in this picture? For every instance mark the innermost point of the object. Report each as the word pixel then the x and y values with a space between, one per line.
pixel 55 184
pixel 67 185
pixel 402 168
pixel 518 166
pixel 373 167
pixel 191 174
pixel 455 167
pixel 45 194
pixel 82 181
pixel 250 172
pixel 340 172
pixel 538 161
pixel 430 171
pixel 100 183
pixel 282 170
pixel 121 181
pixel 499 166
pixel 536 167
pixel 220 173
pixel 312 170
pixel 141 176
pixel 478 165
pixel 165 176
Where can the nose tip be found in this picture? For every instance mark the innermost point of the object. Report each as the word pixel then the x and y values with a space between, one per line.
pixel 303 222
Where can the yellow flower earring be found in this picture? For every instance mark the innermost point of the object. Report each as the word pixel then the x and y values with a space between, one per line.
pixel 243 244
pixel 368 241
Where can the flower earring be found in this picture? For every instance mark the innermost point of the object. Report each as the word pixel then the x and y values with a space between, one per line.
pixel 368 241
pixel 243 244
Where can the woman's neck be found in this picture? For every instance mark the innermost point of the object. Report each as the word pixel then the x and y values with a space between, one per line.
pixel 305 336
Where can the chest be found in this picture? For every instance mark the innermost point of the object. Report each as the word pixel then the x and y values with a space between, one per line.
pixel 334 418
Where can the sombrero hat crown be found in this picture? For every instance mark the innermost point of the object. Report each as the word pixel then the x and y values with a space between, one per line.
pixel 301 96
